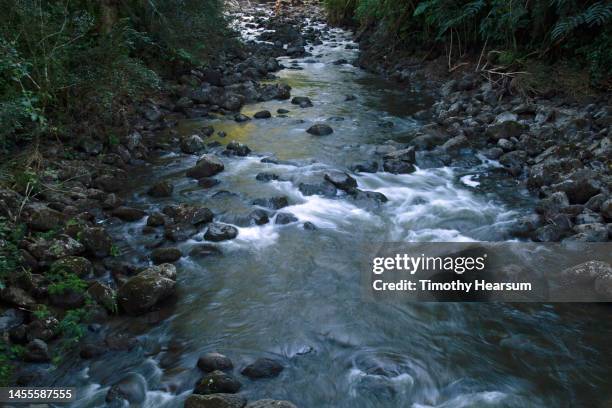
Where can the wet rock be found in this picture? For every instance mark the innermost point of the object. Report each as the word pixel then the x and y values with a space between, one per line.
pixel 129 214
pixel 589 217
pixel 320 129
pixel 207 166
pixel 350 97
pixel 58 247
pixel 241 118
pixel 165 255
pixel 269 403
pixel 283 218
pixel 36 351
pixel 263 368
pixel 309 226
pixel 324 188
pixel 132 388
pixel 104 295
pixel 591 233
pixel 220 232
pixel 208 182
pixel 11 318
pixel 579 187
pixel 141 292
pixel 263 115
pixel 302 101
pixel 190 214
pixel 214 361
pixel 274 203
pixel 17 297
pixel 341 180
pixel 192 144
pixel 204 250
pixel 258 217
pixel 371 197
pixel 266 176
pixel 39 217
pixel 553 203
pixel 76 265
pixel 366 167
pixel 111 201
pixel 505 130
pixel 525 226
pixel 456 143
pixel 156 219
pixel 45 328
pixel 606 209
pixel 161 189
pixel 217 382
pixel 117 341
pixel 595 203
pixel 234 148
pixel 215 401
pixel 282 111
pixel 180 232
pixel 275 91
pixel 493 153
pixel 92 350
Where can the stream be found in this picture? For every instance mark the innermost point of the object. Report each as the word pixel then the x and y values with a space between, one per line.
pixel 295 294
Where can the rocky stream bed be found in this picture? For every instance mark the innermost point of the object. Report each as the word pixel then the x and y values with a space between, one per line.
pixel 219 239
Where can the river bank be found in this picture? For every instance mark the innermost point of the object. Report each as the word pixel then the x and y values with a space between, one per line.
pixel 185 188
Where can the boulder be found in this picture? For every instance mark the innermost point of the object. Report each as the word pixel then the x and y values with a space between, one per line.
pixel 283 218
pixel 180 232
pixel 143 291
pixel 192 144
pixel 39 217
pixel 204 250
pixel 161 189
pixel 505 130
pixel 274 203
pixel 156 219
pixel 220 232
pixel 214 361
pixel 234 148
pixel 215 401
pixel 217 382
pixel 262 368
pixel 132 388
pixel 16 296
pixel 104 295
pixel 128 214
pixel 341 180
pixel 36 351
pixel 241 118
pixel 302 101
pixel 606 209
pixel 320 129
pixel 207 166
pixel 165 255
pixel 264 114
pixel 552 204
pixel 76 265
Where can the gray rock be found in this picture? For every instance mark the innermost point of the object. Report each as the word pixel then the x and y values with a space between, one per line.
pixel 207 166
pixel 39 217
pixel 36 351
pixel 320 129
pixel 341 180
pixel 143 291
pixel 591 232
pixel 240 118
pixel 302 101
pixel 263 368
pixel 192 144
pixel 165 255
pixel 220 232
pixel 505 130
pixel 283 218
pixel 128 213
pixel 552 204
pixel 161 189
pixel 215 401
pixel 214 361
pixel 234 148
pixel 16 296
pixel 132 388
pixel 606 209
pixel 262 115
pixel 217 382
pixel 274 203
pixel 156 219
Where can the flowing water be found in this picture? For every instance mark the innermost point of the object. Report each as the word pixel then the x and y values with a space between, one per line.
pixel 294 294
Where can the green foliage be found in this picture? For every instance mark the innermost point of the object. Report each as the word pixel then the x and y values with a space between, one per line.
pixel 67 63
pixel 10 258
pixel 71 326
pixel 577 30
pixel 8 355
pixel 62 281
